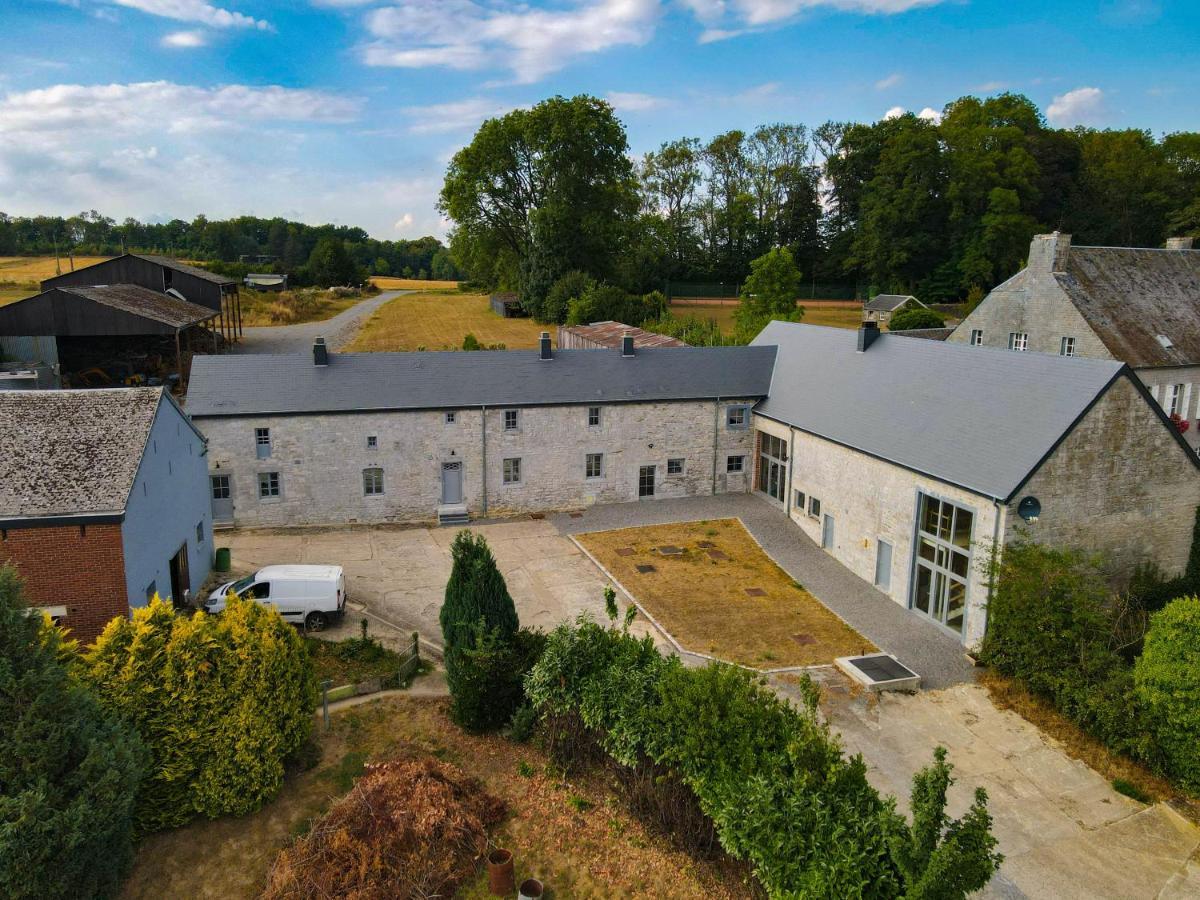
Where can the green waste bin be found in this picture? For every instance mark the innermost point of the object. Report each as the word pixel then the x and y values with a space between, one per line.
pixel 222 562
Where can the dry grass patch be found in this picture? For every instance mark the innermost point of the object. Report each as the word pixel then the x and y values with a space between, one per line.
pixel 30 270
pixel 573 835
pixel 815 314
pixel 12 295
pixel 703 599
pixel 291 307
pixel 440 321
pixel 387 283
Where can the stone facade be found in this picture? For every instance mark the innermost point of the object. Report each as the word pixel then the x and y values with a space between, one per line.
pixel 1118 484
pixel 320 459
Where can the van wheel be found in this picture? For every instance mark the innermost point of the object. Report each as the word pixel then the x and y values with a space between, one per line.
pixel 315 621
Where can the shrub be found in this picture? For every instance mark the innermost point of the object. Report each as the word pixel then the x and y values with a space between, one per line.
pixel 1167 678
pixel 558 299
pixel 470 342
pixel 475 590
pixel 69 776
pixel 219 700
pixel 406 829
pixel 485 678
pixel 916 317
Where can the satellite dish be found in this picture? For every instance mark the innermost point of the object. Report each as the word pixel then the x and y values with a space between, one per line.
pixel 1029 509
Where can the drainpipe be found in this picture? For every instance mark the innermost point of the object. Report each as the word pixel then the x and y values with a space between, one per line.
pixel 716 436
pixel 787 497
pixel 483 442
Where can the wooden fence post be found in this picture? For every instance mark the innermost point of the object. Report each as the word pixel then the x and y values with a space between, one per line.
pixel 325 700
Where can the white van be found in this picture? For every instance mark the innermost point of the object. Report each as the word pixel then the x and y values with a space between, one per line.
pixel 312 596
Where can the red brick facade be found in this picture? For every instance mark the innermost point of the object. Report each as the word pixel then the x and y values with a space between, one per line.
pixel 81 567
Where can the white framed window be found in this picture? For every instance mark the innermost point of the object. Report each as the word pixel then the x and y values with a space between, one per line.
pixel 262 442
pixel 1067 347
pixel 512 419
pixel 372 442
pixel 800 500
pixel 593 466
pixel 451 417
pixel 512 470
pixel 593 417
pixel 268 485
pixel 976 337
pixel 221 488
pixel 735 464
pixel 674 466
pixel 1018 340
pixel 1174 400
pixel 814 507
pixel 737 417
pixel 372 481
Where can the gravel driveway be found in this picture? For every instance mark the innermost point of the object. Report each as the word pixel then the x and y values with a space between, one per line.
pixel 337 331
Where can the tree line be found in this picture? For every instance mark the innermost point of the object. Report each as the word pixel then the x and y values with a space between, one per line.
pixel 285 245
pixel 942 209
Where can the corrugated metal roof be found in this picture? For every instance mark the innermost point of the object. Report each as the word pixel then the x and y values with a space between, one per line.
pixel 890 302
pixel 72 452
pixel 977 417
pixel 609 334
pixel 143 302
pixel 178 266
pixel 1130 296
pixel 290 383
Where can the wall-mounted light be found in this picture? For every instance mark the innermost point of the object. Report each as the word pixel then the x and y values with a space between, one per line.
pixel 1029 509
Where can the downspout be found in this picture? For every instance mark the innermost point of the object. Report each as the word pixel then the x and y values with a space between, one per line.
pixel 716 437
pixel 483 442
pixel 788 491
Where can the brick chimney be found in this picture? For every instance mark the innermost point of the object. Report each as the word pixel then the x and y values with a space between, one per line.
pixel 1048 252
pixel 1179 243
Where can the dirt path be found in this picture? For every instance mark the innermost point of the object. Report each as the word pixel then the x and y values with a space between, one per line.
pixel 337 331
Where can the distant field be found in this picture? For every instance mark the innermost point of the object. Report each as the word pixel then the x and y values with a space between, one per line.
pixel 386 283
pixel 816 313
pixel 291 307
pixel 32 269
pixel 440 321
pixel 9 295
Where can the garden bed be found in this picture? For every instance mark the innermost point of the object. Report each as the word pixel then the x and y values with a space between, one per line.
pixel 722 595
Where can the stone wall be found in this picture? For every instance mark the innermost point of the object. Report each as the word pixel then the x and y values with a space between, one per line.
pixel 320 459
pixel 1119 484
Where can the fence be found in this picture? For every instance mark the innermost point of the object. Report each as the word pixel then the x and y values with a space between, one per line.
pixel 410 664
pixel 809 290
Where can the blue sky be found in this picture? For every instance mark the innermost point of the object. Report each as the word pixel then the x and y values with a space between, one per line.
pixel 348 110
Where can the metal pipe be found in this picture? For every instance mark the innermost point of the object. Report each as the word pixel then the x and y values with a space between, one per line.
pixel 716 436
pixel 483 442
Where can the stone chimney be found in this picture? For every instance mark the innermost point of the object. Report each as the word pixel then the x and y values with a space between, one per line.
pixel 627 344
pixel 1179 243
pixel 320 352
pixel 1048 252
pixel 867 333
pixel 544 345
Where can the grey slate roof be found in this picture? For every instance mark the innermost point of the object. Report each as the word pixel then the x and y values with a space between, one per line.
pixel 172 263
pixel 140 301
pixel 68 453
pixel 289 383
pixel 1131 295
pixel 977 417
pixel 890 302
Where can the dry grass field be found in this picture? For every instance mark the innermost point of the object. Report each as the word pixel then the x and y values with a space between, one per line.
pixel 29 270
pixel 9 295
pixel 722 595
pixel 814 314
pixel 439 321
pixel 387 283
pixel 291 307
pixel 574 835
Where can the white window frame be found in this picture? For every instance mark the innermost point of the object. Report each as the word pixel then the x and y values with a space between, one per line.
pixel 372 442
pixel 515 415
pixel 1018 341
pixel 451 417
pixel 814 508
pixel 511 470
pixel 1066 347
pixel 976 337
pixel 679 461
pixel 741 464
pixel 587 465
pixel 593 412
pixel 264 480
pixel 372 481
pixel 1174 400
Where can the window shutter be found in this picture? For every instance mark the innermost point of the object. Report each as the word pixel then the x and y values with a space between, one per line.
pixel 1185 409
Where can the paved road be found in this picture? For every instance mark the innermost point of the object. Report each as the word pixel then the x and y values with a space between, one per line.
pixel 338 331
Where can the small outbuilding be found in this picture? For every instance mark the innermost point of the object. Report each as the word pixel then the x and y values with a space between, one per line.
pixel 608 335
pixel 882 307
pixel 265 281
pixel 508 305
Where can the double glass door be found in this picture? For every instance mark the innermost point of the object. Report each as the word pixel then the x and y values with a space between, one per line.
pixel 772 466
pixel 943 561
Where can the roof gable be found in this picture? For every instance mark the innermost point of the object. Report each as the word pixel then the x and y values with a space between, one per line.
pixel 891 302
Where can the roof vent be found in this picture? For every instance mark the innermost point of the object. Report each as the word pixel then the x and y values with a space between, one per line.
pixel 320 352
pixel 879 672
pixel 867 334
pixel 544 344
pixel 1166 342
pixel 627 344
pixel 1179 243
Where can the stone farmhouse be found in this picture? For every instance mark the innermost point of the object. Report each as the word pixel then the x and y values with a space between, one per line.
pixel 103 501
pixel 907 460
pixel 880 308
pixel 1140 306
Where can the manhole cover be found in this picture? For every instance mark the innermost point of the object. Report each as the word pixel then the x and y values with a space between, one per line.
pixel 670 550
pixel 716 554
pixel 624 551
pixel 755 592
pixel 804 639
pixel 704 545
pixel 576 515
pixel 646 570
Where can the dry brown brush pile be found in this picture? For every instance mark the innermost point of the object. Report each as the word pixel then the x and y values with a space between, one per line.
pixel 407 830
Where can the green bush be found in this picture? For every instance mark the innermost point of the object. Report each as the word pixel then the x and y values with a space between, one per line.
pixel 475 590
pixel 486 678
pixel 1167 678
pixel 562 292
pixel 220 701
pixel 69 776
pixel 607 303
pixel 916 317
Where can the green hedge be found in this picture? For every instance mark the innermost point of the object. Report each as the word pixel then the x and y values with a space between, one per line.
pixel 771 778
pixel 1167 676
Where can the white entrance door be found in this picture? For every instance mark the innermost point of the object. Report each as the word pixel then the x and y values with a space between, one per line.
pixel 452 483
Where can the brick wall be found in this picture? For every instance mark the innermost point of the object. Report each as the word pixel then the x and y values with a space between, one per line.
pixel 79 567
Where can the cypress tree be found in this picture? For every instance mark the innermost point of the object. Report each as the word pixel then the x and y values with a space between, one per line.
pixel 69 776
pixel 475 592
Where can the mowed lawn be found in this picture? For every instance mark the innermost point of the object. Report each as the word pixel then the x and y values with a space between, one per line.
pixel 439 320
pixel 387 283
pixel 574 835
pixel 722 595
pixel 814 314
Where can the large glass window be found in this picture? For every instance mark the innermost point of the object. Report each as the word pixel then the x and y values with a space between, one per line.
pixel 772 466
pixel 594 466
pixel 372 481
pixel 268 484
pixel 943 561
pixel 512 470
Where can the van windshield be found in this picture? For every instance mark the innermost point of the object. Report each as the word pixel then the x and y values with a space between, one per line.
pixel 241 584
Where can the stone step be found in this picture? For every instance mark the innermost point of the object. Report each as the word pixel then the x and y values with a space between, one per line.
pixel 453 514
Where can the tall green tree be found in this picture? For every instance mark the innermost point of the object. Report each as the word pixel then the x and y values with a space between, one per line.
pixel 769 292
pixel 329 264
pixel 475 592
pixel 69 775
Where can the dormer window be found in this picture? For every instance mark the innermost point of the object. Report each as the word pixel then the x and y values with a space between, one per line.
pixel 1166 342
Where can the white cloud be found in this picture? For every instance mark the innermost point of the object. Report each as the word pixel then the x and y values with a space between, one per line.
pixel 404 222
pixel 461 115
pixel 531 42
pixel 185 39
pixel 895 112
pixel 929 114
pixel 632 102
pixel 194 11
pixel 725 19
pixel 1082 106
pixel 891 81
pixel 989 87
